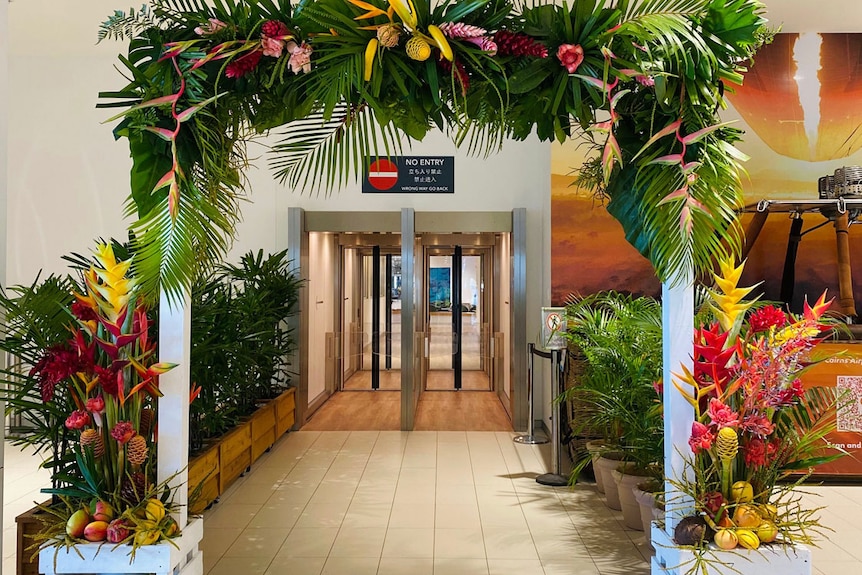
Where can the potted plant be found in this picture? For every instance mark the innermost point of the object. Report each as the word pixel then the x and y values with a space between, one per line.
pixel 620 337
pixel 754 424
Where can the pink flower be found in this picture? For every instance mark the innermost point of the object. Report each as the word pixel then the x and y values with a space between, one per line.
pixel 485 44
pixel 300 57
pixel 765 318
pixel 123 432
pixel 758 425
pixel 701 437
pixel 645 80
pixel 96 404
pixel 211 27
pixel 658 387
pixel 78 419
pixel 570 56
pixel 271 47
pixel 721 415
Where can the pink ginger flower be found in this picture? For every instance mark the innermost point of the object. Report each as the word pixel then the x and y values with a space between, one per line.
pixel 484 43
pixel 645 80
pixel 78 419
pixel 721 415
pixel 213 26
pixel 300 57
pixel 272 47
pixel 570 56
pixel 701 437
pixel 96 405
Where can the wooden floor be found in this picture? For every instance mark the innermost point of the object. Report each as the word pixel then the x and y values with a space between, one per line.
pixel 444 380
pixel 361 381
pixel 437 411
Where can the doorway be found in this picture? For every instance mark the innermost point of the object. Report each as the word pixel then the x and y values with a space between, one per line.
pixel 371 321
pixel 458 319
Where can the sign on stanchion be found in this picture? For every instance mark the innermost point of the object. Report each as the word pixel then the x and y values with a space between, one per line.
pixel 530 438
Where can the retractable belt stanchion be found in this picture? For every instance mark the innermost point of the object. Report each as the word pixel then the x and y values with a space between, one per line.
pixel 531 438
pixel 555 479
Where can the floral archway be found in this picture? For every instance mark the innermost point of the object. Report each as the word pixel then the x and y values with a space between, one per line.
pixel 642 82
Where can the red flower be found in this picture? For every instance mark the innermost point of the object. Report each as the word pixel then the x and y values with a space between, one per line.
pixel 765 318
pixel 96 404
pixel 78 420
pixel 274 29
pixel 701 437
pixel 758 425
pixel 713 501
pixel 123 432
pixel 57 364
pixel 83 312
pixel 570 56
pixel 721 415
pixel 755 453
pixel 108 379
pixel 243 65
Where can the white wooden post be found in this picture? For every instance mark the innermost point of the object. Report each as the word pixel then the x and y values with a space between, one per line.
pixel 173 444
pixel 677 350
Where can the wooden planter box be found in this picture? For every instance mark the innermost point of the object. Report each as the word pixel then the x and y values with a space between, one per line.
pixel 262 430
pixel 285 411
pixel 204 471
pixel 29 525
pixel 234 454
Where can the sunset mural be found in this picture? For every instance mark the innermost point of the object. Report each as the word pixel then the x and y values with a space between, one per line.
pixel 801 109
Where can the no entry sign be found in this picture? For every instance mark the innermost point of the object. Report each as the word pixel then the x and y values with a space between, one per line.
pixel 409 175
pixel 382 174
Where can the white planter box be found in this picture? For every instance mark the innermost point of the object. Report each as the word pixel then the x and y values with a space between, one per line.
pixel 768 560
pixel 161 559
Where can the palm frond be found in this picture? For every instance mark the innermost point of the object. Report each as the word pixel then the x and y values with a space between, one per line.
pixel 317 153
pixel 127 25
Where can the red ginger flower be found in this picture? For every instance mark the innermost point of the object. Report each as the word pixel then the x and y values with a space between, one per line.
pixel 721 415
pixel 459 71
pixel 758 452
pixel 767 317
pixel 96 404
pixel 243 65
pixel 570 56
pixel 83 311
pixel 123 432
pixel 758 424
pixel 701 437
pixel 57 364
pixel 78 419
pixel 274 29
pixel 109 379
pixel 518 44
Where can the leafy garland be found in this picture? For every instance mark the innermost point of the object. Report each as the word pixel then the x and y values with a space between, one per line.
pixel 353 78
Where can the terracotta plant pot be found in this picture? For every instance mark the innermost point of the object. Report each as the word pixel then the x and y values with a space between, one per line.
pixel 626 483
pixel 606 466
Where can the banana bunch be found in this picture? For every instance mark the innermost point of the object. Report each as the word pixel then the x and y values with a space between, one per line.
pixel 418 47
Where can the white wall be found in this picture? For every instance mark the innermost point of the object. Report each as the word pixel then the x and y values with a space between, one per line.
pixel 322 252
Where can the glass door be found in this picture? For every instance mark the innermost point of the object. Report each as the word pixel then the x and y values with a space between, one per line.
pixel 456 320
pixel 372 319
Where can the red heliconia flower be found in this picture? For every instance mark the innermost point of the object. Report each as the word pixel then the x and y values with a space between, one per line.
pixel 78 420
pixel 712 357
pixel 765 318
pixel 721 415
pixel 570 56
pixel 123 432
pixel 701 437
pixel 243 65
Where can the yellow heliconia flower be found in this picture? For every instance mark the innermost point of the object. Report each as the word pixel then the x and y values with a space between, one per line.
pixel 110 282
pixel 729 300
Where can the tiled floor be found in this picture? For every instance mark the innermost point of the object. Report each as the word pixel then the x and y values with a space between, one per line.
pixel 423 503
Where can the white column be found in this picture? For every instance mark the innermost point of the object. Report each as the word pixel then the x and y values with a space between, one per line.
pixel 4 130
pixel 173 443
pixel 678 347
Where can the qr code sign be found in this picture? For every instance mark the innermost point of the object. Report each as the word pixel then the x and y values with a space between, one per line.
pixel 850 409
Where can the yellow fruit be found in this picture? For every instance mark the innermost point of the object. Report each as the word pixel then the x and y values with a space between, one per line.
pixel 155 510
pixel 441 41
pixel 171 528
pixel 418 49
pixel 747 538
pixel 146 537
pixel 741 492
pixel 768 511
pixel 406 11
pixel 747 517
pixel 767 532
pixel 370 54
pixel 725 539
